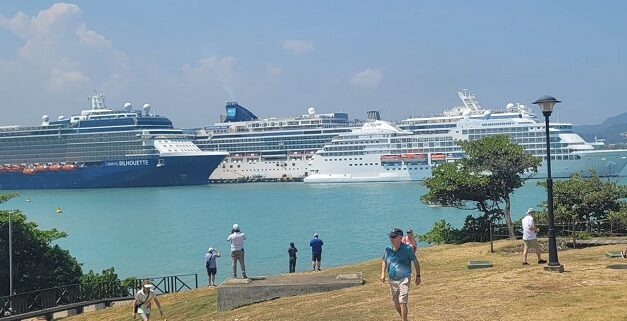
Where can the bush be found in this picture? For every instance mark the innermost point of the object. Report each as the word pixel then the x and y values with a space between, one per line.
pixel 441 233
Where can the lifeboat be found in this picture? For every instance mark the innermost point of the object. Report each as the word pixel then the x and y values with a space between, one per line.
pixel 69 167
pixel 41 168
pixel 390 158
pixel 414 156
pixel 2 169
pixel 55 167
pixel 29 171
pixel 16 168
pixel 438 156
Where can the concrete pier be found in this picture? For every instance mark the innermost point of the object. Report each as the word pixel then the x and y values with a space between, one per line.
pixel 234 293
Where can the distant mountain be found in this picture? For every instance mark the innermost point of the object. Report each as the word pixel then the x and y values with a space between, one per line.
pixel 610 130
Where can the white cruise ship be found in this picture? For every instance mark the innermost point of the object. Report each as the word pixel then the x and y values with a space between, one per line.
pixel 382 151
pixel 270 148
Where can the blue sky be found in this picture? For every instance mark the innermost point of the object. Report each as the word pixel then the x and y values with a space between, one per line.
pixel 187 58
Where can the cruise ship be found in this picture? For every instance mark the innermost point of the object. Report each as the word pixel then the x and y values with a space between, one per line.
pixel 408 151
pixel 102 147
pixel 269 148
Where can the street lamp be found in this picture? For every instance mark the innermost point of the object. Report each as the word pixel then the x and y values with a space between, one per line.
pixel 546 104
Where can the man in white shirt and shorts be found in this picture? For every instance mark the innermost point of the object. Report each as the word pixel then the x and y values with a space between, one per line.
pixel 529 237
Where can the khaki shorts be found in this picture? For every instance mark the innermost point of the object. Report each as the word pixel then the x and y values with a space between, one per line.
pixel 399 290
pixel 532 244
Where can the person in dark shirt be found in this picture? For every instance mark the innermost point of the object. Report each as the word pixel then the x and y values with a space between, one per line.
pixel 316 252
pixel 292 252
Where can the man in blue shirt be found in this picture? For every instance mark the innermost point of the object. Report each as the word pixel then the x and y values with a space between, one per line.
pixel 397 264
pixel 316 251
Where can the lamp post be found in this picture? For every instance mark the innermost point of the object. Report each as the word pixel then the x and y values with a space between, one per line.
pixel 10 257
pixel 546 104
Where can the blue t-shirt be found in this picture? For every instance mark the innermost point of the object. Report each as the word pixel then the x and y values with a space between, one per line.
pixel 316 246
pixel 399 262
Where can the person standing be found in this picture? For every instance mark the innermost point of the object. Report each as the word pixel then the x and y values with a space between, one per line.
pixel 529 237
pixel 410 240
pixel 316 251
pixel 237 250
pixel 210 264
pixel 143 302
pixel 292 253
pixel 397 264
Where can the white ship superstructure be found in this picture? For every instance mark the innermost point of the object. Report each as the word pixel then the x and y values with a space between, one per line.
pixel 381 151
pixel 270 148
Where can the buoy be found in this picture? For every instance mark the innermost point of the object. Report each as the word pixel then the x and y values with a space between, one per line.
pixel 58 210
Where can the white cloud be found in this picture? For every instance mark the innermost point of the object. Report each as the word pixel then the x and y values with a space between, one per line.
pixel 61 79
pixel 213 69
pixel 57 46
pixel 298 47
pixel 368 78
pixel 92 38
pixel 274 71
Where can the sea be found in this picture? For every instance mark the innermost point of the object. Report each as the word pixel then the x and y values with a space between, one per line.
pixel 153 232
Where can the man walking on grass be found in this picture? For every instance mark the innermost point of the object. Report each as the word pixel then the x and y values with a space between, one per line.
pixel 529 236
pixel 397 264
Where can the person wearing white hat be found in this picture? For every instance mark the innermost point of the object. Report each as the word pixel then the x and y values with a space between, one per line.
pixel 143 301
pixel 210 264
pixel 529 237
pixel 237 250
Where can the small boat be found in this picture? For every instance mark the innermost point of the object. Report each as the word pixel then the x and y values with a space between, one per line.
pixel 28 200
pixel 58 210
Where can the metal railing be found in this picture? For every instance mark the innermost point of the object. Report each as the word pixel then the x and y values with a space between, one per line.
pixel 53 299
pixel 572 231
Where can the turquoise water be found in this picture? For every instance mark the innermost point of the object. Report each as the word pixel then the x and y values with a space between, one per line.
pixel 150 232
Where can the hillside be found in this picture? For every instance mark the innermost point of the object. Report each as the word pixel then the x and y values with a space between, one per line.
pixel 508 291
pixel 609 130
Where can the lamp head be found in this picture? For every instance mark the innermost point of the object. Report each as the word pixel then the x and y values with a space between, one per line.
pixel 547 103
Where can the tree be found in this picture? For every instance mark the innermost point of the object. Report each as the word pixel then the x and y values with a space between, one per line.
pixel 493 169
pixel 37 264
pixel 582 199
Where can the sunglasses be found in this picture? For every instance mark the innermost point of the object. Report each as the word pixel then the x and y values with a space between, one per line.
pixel 392 236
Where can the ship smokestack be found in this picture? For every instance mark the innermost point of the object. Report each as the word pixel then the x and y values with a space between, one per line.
pixel 374 115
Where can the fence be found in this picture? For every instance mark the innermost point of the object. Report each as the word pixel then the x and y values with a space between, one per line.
pixel 572 231
pixel 53 299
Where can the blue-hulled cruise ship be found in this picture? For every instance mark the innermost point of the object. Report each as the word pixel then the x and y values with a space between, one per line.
pixel 100 148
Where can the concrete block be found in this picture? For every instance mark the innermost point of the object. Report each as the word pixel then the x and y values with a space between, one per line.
pixel 479 265
pixel 619 266
pixel 613 254
pixel 233 294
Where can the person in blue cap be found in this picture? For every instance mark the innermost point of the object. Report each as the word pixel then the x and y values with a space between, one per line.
pixel 396 264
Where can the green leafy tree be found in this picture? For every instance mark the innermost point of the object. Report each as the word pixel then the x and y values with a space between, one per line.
pixel 106 284
pixel 37 264
pixel 582 199
pixel 485 180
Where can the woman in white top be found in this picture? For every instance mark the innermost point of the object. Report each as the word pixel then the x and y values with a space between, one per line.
pixel 143 302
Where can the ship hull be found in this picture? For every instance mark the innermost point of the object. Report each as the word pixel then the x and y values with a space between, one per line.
pixel 149 172
pixel 604 163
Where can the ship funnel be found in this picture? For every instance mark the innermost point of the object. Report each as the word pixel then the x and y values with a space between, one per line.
pixel 374 115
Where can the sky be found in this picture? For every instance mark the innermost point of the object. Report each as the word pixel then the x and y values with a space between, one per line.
pixel 277 58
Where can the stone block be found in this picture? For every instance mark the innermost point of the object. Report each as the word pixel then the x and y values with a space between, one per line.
pixel 619 266
pixel 613 254
pixel 479 265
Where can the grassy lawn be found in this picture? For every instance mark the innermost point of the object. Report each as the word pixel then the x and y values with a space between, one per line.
pixel 587 291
